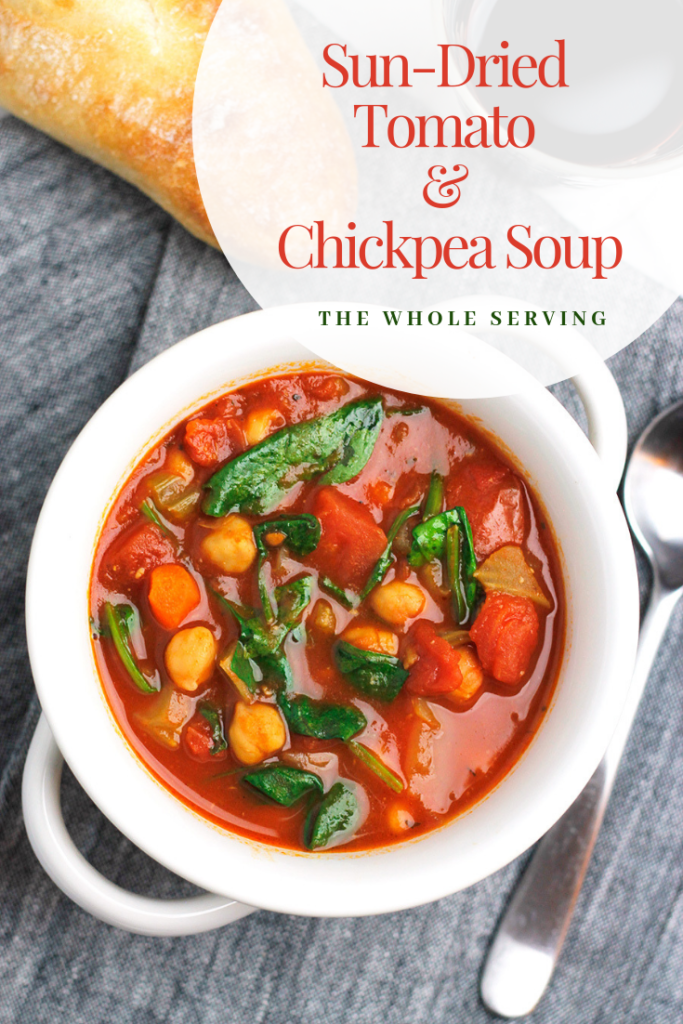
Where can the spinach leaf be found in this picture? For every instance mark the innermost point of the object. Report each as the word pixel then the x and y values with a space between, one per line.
pixel 300 534
pixel 375 675
pixel 429 537
pixel 97 629
pixel 346 598
pixel 276 670
pixel 292 599
pixel 257 637
pixel 385 559
pixel 245 667
pixel 151 512
pixel 215 720
pixel 240 612
pixel 338 446
pixel 258 657
pixel 324 721
pixel 120 620
pixel 375 765
pixel 283 784
pixel 431 541
pixel 338 814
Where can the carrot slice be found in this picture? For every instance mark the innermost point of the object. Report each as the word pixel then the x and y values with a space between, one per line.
pixel 173 594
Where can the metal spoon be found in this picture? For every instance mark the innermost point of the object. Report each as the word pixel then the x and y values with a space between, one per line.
pixel 530 936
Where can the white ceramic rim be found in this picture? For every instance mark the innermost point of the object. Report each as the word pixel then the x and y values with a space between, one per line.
pixel 602 634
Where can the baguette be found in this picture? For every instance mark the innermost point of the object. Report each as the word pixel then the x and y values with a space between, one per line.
pixel 114 80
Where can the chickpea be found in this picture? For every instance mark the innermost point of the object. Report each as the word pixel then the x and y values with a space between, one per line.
pixel 262 422
pixel 396 602
pixel 372 638
pixel 178 464
pixel 323 618
pixel 189 657
pixel 256 732
pixel 472 675
pixel 231 545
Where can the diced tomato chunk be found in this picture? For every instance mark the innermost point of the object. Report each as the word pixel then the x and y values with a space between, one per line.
pixel 328 387
pixel 351 541
pixel 437 669
pixel 141 551
pixel 209 442
pixel 494 500
pixel 505 634
pixel 198 740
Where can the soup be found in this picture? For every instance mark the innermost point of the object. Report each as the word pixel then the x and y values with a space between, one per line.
pixel 327 615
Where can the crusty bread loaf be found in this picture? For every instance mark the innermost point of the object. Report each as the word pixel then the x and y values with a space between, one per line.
pixel 115 79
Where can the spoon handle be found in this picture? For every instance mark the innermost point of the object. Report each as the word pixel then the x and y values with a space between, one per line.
pixel 529 938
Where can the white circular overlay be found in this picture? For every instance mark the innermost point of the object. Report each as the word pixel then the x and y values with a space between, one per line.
pixel 505 175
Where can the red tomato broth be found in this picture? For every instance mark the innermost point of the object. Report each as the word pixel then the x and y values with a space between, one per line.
pixel 456 761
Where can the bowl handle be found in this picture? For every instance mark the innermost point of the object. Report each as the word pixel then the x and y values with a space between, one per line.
pixel 607 427
pixel 69 870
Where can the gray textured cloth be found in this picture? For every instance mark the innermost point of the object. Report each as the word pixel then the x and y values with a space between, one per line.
pixel 94 280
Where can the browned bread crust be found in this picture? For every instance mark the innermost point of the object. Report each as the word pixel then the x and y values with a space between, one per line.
pixel 114 80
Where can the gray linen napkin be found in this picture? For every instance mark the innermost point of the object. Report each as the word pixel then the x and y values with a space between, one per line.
pixel 94 281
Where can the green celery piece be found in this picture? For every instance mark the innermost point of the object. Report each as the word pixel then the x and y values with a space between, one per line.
pixel 374 764
pixel 434 502
pixel 119 618
pixel 323 721
pixel 346 598
pixel 301 533
pixel 454 568
pixel 380 570
pixel 376 675
pixel 283 784
pixel 337 446
pixel 186 504
pixel 167 487
pixel 469 561
pixel 337 815
pixel 215 720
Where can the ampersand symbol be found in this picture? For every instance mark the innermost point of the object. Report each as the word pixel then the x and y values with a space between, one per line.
pixel 448 191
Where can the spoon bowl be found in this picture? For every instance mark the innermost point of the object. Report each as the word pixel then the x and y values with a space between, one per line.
pixel 653 495
pixel 529 938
